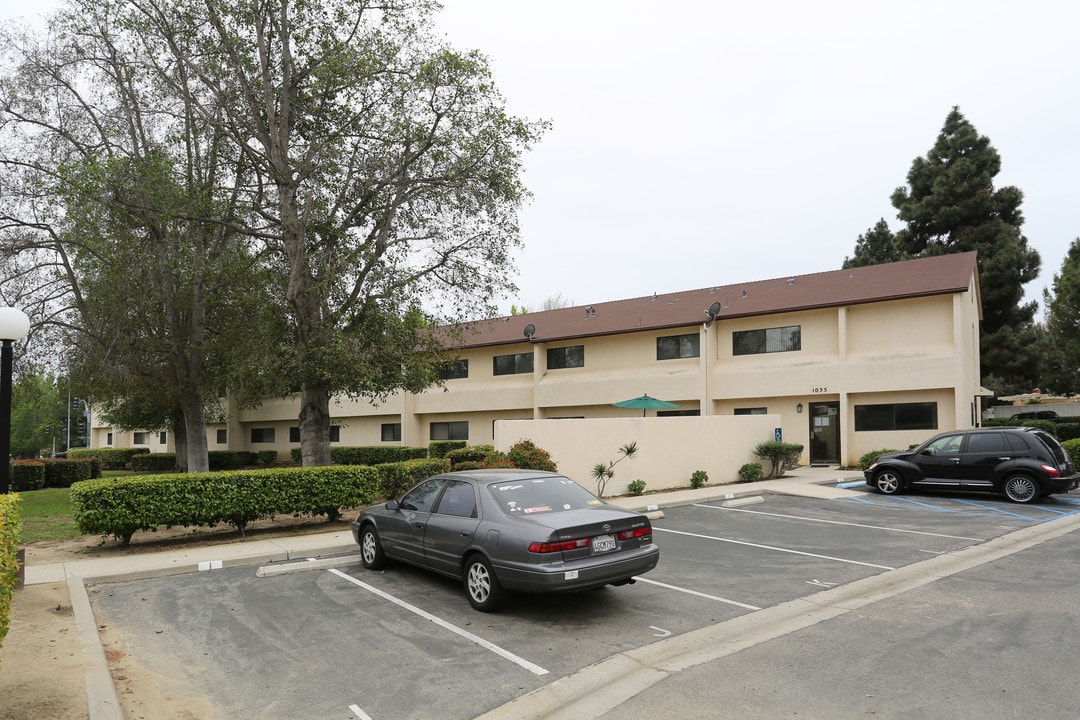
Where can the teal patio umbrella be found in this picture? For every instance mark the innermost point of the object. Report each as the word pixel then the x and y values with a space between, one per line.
pixel 645 402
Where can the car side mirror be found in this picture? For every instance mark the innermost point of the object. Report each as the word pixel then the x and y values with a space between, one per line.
pixel 392 505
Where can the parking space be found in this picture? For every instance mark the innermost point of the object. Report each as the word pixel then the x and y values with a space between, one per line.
pixel 351 643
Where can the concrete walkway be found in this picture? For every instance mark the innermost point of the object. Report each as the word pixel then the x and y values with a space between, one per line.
pixel 101 694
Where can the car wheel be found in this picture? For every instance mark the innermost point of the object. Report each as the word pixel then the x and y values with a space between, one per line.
pixel 481 585
pixel 371 552
pixel 1021 489
pixel 888 482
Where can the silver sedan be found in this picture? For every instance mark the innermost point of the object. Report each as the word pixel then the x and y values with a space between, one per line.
pixel 499 530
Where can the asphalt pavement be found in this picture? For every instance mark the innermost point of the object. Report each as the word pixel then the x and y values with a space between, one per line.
pixel 641 679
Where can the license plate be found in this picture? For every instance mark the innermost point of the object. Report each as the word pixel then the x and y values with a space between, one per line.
pixel 603 543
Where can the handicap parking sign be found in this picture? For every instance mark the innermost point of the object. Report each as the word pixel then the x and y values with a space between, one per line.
pixel 779 434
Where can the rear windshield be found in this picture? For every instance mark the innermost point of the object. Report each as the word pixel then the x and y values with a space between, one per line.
pixel 1051 442
pixel 541 495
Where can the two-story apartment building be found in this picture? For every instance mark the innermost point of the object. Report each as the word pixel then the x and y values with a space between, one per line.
pixel 849 361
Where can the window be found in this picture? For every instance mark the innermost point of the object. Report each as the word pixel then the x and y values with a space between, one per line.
pixel 673 347
pixel 141 438
pixel 513 364
pixel 756 342
pixel 222 437
pixel 896 416
pixel 262 435
pixel 335 433
pixel 294 434
pixel 678 413
pixel 108 439
pixel 752 411
pixel 459 500
pixel 566 357
pixel 391 432
pixel 454 370
pixel 422 498
pixel 162 438
pixel 450 430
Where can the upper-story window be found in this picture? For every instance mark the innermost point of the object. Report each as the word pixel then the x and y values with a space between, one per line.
pixel 673 347
pixel 454 370
pixel 513 364
pixel 566 357
pixel 755 342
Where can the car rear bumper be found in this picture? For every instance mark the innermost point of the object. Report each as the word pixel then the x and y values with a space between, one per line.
pixel 1062 484
pixel 579 574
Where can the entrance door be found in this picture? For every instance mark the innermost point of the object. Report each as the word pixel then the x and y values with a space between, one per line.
pixel 825 433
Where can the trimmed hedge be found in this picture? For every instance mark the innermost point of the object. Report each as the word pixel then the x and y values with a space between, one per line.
pixel 368 454
pixel 867 459
pixel 27 475
pixel 396 478
pixel 61 473
pixel 232 459
pixel 153 462
pixel 441 448
pixel 111 458
pixel 1072 446
pixel 121 506
pixel 9 562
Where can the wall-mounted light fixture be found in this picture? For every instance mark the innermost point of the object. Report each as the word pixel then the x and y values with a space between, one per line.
pixel 798 408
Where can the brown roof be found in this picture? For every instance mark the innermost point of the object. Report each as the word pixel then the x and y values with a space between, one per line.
pixel 922 277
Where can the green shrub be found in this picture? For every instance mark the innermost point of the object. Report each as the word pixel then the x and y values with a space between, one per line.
pixel 473 454
pixel 527 456
pixel 367 454
pixel 1068 431
pixel 27 475
pixel 9 563
pixel 636 487
pixel 1072 446
pixel 267 457
pixel 60 473
pixel 867 459
pixel 231 459
pixel 698 479
pixel 782 456
pixel 751 472
pixel 111 458
pixel 121 506
pixel 153 462
pixel 440 448
pixel 396 478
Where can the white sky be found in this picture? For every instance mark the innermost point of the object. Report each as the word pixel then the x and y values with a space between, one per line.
pixel 699 143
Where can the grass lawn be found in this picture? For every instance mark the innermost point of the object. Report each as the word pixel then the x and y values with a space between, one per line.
pixel 46 515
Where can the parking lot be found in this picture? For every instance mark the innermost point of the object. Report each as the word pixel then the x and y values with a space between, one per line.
pixel 342 642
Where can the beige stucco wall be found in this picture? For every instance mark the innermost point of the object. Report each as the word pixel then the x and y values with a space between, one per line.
pixel 669 449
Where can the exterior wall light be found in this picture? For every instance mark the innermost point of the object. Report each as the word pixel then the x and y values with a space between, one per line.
pixel 798 408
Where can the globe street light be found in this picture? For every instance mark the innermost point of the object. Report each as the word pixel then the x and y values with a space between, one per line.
pixel 13 326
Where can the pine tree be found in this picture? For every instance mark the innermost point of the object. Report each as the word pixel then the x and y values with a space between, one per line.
pixel 951 206
pixel 876 247
pixel 1063 324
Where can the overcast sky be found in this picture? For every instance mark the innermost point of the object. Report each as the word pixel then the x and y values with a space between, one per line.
pixel 704 143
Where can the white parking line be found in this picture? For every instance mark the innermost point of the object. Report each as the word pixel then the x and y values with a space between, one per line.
pixel 839 522
pixel 695 592
pixel 770 547
pixel 534 669
pixel 359 713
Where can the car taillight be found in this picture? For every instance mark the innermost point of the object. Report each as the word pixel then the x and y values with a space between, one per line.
pixel 635 533
pixel 559 546
pixel 1051 471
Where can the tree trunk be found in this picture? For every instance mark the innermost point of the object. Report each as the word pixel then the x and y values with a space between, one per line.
pixel 195 431
pixel 314 426
pixel 180 444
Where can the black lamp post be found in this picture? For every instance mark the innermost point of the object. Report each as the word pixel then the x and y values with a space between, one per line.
pixel 13 326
